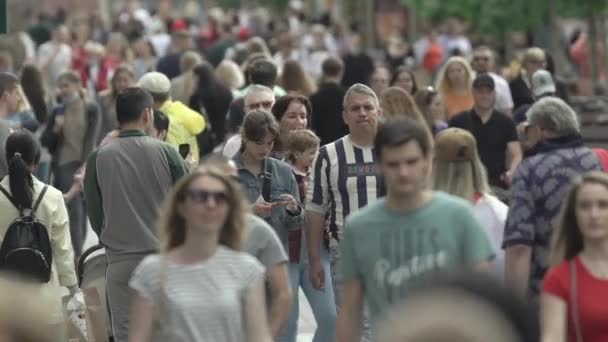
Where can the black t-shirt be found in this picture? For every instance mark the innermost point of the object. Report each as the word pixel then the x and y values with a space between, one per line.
pixel 492 139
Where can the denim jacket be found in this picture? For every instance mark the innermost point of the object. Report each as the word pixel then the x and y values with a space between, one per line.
pixel 283 182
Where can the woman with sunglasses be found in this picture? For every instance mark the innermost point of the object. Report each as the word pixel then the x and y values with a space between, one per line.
pixel 271 188
pixel 573 303
pixel 201 287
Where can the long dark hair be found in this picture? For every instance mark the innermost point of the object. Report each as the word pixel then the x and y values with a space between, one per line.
pixel 22 151
pixel 33 88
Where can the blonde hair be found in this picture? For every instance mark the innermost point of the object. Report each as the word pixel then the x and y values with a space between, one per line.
pixel 229 74
pixel 173 225
pixel 533 53
pixel 567 240
pixel 299 141
pixel 24 104
pixel 463 178
pixel 443 84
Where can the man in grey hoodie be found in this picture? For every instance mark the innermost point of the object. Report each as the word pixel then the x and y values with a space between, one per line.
pixel 9 100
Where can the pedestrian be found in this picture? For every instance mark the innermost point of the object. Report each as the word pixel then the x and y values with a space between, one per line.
pixel 70 136
pixel 258 97
pixel 484 62
pixel 539 187
pixel 261 241
pixel 292 112
pixel 185 124
pixel 344 178
pixel 405 79
pixel 499 147
pixel 454 85
pixel 122 78
pixel 416 232
pixel 9 102
pixel 24 193
pixel 125 184
pixel 396 103
pixel 326 117
pixel 458 171
pixel 431 106
pixel 270 185
pixel 572 305
pixel 201 287
pixel 380 79
pixel 302 147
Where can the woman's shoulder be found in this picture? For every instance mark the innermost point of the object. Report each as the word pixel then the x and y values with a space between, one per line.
pixel 51 194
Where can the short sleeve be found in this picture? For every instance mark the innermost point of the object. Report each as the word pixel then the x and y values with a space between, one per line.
pixel 317 198
pixel 252 271
pixel 519 228
pixel 511 130
pixel 556 281
pixel 266 244
pixel 349 266
pixel 145 278
pixel 477 247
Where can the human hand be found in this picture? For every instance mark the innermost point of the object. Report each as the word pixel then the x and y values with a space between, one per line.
pixel 317 275
pixel 262 208
pixel 289 201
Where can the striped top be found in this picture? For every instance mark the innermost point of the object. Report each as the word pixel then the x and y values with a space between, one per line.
pixel 344 178
pixel 203 301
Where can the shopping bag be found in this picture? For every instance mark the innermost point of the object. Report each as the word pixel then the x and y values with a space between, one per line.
pixel 75 318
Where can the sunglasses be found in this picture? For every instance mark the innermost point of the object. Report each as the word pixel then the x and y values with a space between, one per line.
pixel 204 196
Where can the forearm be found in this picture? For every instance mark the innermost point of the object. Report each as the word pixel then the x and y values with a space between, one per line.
pixel 279 311
pixel 514 157
pixel 314 235
pixel 517 268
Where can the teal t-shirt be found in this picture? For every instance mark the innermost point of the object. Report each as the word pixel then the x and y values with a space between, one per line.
pixel 390 252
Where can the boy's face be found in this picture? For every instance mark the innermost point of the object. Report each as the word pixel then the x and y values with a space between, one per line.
pixel 305 158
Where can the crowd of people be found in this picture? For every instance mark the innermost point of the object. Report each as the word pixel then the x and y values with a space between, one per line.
pixel 225 167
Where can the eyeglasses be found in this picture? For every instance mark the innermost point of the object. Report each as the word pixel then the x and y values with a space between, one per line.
pixel 204 196
pixel 262 104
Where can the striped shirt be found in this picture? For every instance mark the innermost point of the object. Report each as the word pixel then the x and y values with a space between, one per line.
pixel 345 178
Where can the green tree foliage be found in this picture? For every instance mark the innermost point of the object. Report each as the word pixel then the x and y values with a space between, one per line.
pixel 495 17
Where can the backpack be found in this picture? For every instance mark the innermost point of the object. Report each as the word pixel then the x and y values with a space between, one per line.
pixel 26 248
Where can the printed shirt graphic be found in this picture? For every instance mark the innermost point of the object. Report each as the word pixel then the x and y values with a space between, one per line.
pixel 392 252
pixel 344 178
pixel 539 186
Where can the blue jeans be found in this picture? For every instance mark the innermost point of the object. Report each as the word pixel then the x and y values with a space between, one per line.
pixel 321 302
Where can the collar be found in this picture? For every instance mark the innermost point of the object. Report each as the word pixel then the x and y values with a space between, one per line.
pixel 478 118
pixel 131 133
pixel 548 145
pixel 240 163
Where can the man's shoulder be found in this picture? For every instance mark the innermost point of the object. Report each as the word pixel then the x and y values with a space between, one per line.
pixel 461 117
pixel 361 218
pixel 442 201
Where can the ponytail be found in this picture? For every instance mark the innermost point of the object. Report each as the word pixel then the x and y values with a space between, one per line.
pixel 20 181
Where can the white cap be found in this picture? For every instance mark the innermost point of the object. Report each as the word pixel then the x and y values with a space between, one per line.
pixel 542 83
pixel 155 82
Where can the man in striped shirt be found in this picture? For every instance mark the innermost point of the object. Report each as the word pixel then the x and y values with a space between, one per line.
pixel 345 178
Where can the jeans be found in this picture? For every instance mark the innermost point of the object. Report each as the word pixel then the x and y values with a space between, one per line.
pixel 64 177
pixel 321 302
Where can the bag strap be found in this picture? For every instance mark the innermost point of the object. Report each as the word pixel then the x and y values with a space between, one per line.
pixel 11 199
pixel 37 204
pixel 574 301
pixel 267 182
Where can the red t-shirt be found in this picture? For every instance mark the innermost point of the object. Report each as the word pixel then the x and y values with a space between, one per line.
pixel 592 300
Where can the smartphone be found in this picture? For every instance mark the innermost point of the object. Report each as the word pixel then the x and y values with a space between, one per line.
pixel 184 150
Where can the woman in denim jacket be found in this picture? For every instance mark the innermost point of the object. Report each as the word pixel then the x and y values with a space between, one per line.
pixel 279 206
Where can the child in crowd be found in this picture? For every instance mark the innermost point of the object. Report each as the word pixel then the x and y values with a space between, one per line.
pixel 302 146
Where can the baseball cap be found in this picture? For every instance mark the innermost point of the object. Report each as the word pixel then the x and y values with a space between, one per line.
pixel 155 82
pixel 483 81
pixel 455 145
pixel 542 83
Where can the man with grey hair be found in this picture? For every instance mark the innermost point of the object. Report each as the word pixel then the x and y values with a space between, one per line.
pixel 345 177
pixel 258 97
pixel 539 185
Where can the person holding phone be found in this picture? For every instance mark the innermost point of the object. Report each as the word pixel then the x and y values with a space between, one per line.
pixel 272 190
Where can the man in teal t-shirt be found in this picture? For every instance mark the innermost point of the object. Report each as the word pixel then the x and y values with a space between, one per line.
pixel 399 242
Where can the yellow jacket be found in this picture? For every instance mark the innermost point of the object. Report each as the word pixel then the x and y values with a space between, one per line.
pixel 184 125
pixel 53 214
